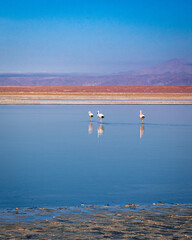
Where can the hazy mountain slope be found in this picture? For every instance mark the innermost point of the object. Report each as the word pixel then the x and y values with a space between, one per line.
pixel 172 72
pixel 171 66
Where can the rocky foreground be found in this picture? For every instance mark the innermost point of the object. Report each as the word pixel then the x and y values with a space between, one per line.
pixel 93 222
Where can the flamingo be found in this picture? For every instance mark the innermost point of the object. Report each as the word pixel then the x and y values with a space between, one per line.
pixel 90 115
pixel 100 115
pixel 142 116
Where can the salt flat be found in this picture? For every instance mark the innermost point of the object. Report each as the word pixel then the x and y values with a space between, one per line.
pixel 96 95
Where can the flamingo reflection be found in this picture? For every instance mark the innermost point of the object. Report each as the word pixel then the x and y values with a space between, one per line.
pixel 141 131
pixel 90 128
pixel 100 130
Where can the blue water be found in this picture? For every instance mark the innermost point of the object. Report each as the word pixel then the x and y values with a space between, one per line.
pixel 53 156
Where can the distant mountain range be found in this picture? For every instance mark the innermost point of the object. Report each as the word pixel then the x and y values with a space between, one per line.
pixel 173 72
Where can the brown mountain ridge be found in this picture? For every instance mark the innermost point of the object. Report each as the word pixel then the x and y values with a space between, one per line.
pixel 174 72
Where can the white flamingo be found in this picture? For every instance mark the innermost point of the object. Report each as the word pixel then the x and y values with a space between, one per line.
pixel 90 115
pixel 142 116
pixel 100 115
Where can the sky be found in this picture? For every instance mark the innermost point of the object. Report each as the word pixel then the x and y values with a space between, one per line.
pixel 92 36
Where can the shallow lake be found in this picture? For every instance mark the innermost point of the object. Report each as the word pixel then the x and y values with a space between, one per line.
pixel 51 155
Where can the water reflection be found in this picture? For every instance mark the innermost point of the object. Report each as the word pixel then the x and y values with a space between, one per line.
pixel 90 128
pixel 100 130
pixel 120 169
pixel 141 131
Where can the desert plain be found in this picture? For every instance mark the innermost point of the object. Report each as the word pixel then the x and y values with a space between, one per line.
pixel 96 95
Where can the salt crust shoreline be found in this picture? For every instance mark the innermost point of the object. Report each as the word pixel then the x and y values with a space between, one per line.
pixel 94 98
pixel 158 221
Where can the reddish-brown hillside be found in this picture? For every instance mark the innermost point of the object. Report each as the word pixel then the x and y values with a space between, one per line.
pixel 99 89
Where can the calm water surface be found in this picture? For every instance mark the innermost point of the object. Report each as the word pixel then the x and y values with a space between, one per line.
pixel 52 155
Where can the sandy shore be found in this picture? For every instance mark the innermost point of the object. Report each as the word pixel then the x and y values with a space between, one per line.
pixel 93 222
pixel 96 98
pixel 96 95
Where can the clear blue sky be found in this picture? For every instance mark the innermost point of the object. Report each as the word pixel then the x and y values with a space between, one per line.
pixel 98 36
